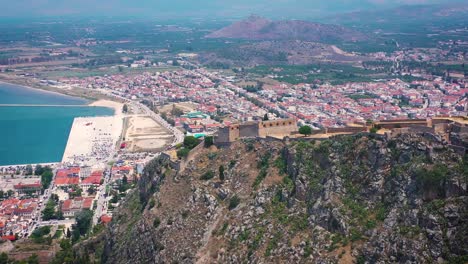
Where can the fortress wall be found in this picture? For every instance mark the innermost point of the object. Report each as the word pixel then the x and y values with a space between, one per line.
pixel 346 129
pixel 248 130
pixel 459 128
pixel 222 136
pixel 234 133
pixel 277 127
pixel 403 120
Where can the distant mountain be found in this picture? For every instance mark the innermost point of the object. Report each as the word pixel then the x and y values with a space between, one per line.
pixel 258 28
pixel 407 13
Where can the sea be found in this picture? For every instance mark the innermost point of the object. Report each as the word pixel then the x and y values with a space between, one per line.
pixel 35 130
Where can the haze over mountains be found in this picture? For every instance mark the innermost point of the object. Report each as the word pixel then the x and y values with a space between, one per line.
pixel 406 13
pixel 258 28
pixel 199 9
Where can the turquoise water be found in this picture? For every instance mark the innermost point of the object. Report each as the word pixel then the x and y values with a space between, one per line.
pixel 31 134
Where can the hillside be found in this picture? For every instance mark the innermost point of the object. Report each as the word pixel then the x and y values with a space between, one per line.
pixel 258 28
pixel 350 199
pixel 293 52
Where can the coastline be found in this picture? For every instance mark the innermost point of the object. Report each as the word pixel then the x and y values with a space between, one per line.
pixel 99 101
pixel 87 100
pixel 29 83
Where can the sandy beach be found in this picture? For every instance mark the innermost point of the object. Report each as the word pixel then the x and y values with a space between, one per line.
pixel 93 140
pixel 109 104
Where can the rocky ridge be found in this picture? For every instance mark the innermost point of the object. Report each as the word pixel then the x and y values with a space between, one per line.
pixel 362 199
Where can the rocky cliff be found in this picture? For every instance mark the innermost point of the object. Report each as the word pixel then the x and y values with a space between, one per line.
pixel 350 199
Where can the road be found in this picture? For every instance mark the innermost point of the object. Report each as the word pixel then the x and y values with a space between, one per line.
pixel 101 204
pixel 37 215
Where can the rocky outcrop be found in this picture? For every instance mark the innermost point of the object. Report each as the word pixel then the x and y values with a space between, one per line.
pixel 360 199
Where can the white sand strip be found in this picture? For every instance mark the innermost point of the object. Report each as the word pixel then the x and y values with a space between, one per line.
pixel 93 140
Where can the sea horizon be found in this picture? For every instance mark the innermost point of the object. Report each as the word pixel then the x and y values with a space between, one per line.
pixel 38 134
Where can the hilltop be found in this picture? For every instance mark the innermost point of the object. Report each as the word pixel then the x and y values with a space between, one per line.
pixel 360 198
pixel 258 28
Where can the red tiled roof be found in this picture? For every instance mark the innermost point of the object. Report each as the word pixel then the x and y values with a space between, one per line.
pixel 92 180
pixel 11 238
pixel 87 203
pixel 67 180
pixel 66 205
pixel 106 219
pixel 27 185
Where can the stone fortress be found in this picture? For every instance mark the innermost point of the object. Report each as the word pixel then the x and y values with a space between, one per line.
pixel 254 129
pixel 450 129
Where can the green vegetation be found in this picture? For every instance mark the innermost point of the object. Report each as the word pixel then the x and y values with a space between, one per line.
pixel 234 202
pixel 305 130
pixel 432 181
pixel 46 176
pixel 156 222
pixel 209 141
pixel 83 224
pixel 356 97
pixel 33 259
pixel 207 176
pixel 190 142
pixel 183 152
pixel 263 165
pixel 50 212
pixel 221 173
pixel 333 73
pixel 42 235
pixel 281 164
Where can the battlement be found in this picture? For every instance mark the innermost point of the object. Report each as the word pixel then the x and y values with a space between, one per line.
pixel 253 129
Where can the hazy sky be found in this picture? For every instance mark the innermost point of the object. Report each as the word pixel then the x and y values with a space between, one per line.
pixel 195 8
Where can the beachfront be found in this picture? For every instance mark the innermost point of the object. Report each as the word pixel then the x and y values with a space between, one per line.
pixel 93 140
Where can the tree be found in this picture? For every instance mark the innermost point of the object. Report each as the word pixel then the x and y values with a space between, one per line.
pixel 46 178
pixel 68 233
pixel 3 258
pixel 29 169
pixel 49 211
pixel 76 191
pixel 190 142
pixel 234 202
pixel 124 108
pixel 305 130
pixel 265 117
pixel 39 170
pixel 209 141
pixel 373 130
pixel 91 190
pixel 183 152
pixel 83 221
pixel 221 173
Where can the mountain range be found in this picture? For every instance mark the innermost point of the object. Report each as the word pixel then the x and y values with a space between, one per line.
pixel 259 28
